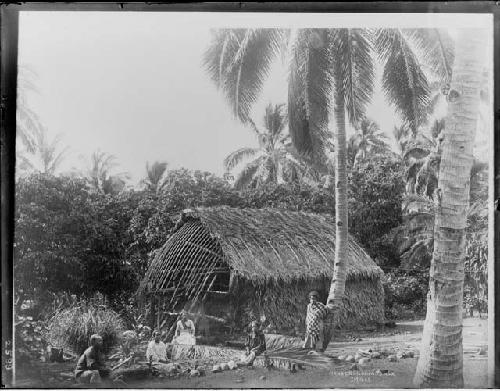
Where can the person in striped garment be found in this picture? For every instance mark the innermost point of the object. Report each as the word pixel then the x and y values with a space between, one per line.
pixel 316 312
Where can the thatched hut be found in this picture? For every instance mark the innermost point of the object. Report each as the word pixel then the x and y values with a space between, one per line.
pixel 248 263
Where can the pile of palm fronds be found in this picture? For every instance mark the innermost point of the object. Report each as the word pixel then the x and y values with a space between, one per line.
pixel 200 352
pixel 287 357
pixel 72 327
pixel 278 341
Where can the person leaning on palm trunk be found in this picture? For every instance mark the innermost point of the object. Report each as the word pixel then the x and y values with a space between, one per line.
pixel 315 329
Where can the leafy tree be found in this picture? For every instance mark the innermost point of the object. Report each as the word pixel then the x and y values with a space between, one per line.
pixel 156 212
pixel 376 193
pixel 69 239
pixel 50 215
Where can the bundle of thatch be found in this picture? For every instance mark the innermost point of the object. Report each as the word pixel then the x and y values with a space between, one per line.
pixel 72 327
pixel 204 352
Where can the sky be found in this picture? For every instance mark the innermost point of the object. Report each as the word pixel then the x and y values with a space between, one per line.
pixel 133 84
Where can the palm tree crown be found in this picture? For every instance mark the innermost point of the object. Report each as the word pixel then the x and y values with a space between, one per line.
pixel 368 139
pixel 28 126
pixel 155 180
pixel 273 160
pixel 99 173
pixel 238 61
pixel 44 155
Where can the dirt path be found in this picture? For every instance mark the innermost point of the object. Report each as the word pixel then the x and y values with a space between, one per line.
pixel 399 374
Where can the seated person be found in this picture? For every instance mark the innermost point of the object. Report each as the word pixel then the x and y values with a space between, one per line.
pixel 255 344
pixel 185 331
pixel 90 367
pixel 129 340
pixel 157 350
pixel 156 354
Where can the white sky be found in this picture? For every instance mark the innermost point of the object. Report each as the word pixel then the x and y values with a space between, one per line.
pixel 133 85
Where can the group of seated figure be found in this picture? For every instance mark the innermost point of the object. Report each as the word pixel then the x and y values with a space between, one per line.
pixel 92 369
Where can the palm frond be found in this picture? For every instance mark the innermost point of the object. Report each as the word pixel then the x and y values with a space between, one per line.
pixel 275 119
pixel 436 48
pixel 28 127
pixel 309 91
pixel 403 81
pixel 354 74
pixel 236 157
pixel 249 173
pixel 155 175
pixel 238 61
pixel 56 160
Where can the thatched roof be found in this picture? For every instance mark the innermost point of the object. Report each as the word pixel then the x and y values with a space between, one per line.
pixel 260 245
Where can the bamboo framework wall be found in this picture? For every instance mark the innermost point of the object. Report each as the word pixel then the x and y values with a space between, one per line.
pixel 187 267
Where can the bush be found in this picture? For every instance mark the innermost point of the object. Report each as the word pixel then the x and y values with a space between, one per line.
pixel 72 327
pixel 30 345
pixel 405 294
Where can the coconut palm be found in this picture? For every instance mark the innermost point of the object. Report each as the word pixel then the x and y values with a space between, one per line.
pixel 368 140
pixel 45 156
pixel 28 125
pixel 274 160
pixel 155 179
pixel 441 358
pixel 99 174
pixel 326 66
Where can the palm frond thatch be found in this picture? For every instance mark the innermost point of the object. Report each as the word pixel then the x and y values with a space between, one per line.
pixel 259 245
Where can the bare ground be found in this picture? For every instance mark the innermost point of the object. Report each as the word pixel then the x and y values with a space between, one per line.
pixel 399 374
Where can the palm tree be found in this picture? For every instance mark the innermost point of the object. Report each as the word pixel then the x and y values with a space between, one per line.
pixel 325 66
pixel 274 160
pixel 155 180
pixel 99 173
pixel 368 139
pixel 441 357
pixel 46 156
pixel 28 125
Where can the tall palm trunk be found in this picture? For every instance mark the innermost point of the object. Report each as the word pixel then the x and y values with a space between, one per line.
pixel 337 286
pixel 441 353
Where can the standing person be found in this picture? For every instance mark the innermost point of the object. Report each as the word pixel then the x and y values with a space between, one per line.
pixel 185 331
pixel 90 367
pixel 255 344
pixel 316 312
pixel 157 350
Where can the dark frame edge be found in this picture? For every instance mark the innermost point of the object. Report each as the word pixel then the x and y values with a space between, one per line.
pixel 496 191
pixel 9 22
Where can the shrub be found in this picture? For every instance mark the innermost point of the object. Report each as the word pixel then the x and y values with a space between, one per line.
pixel 405 294
pixel 30 345
pixel 72 327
